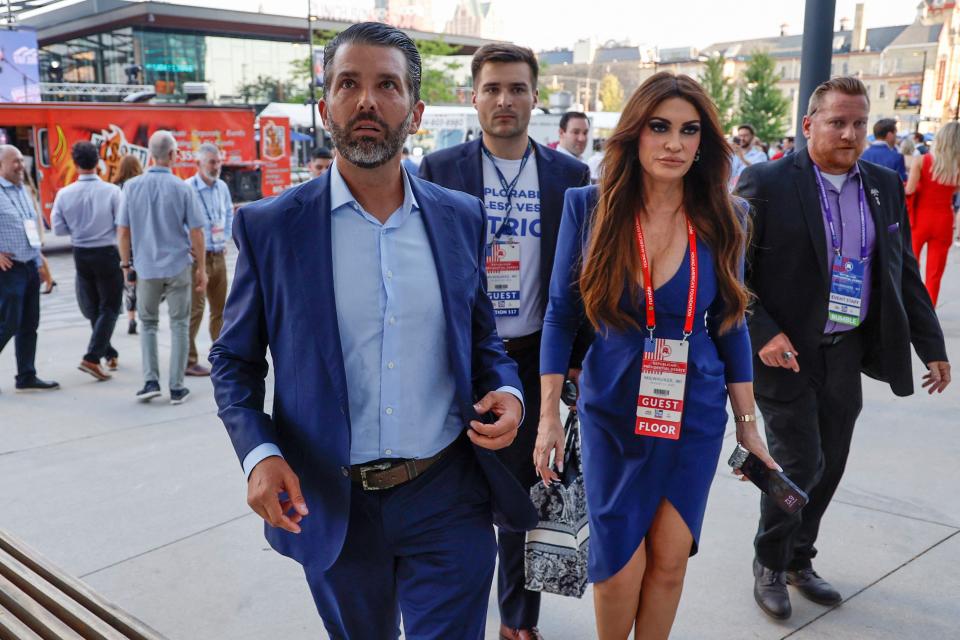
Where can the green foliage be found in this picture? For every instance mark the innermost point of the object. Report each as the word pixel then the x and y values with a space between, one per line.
pixel 720 90
pixel 610 93
pixel 268 89
pixel 436 81
pixel 762 104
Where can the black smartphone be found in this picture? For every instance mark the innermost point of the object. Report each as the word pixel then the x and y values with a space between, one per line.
pixel 775 484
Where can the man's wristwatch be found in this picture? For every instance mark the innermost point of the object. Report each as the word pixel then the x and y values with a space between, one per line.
pixel 124 265
pixel 748 417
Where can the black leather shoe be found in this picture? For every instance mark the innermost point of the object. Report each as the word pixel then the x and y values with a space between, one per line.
pixel 813 587
pixel 770 591
pixel 36 384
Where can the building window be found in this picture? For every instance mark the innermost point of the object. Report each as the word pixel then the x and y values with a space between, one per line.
pixel 883 91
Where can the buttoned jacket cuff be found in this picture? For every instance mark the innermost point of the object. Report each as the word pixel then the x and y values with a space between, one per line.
pixel 257 454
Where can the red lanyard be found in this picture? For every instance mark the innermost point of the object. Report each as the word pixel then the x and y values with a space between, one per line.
pixel 648 279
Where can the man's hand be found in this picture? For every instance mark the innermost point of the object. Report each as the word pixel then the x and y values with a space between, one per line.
pixel 780 352
pixel 6 261
pixel 937 378
pixel 201 280
pixel 271 477
pixel 501 433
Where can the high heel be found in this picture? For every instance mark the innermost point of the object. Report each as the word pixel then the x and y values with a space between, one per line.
pixel 53 285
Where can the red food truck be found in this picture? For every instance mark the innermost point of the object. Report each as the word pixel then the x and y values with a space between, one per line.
pixel 45 132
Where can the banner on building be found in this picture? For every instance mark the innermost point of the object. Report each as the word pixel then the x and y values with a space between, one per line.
pixel 274 154
pixel 908 97
pixel 318 67
pixel 19 70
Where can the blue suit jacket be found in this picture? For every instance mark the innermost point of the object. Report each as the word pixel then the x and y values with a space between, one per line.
pixel 461 168
pixel 282 298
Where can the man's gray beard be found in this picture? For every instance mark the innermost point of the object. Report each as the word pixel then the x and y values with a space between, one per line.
pixel 368 153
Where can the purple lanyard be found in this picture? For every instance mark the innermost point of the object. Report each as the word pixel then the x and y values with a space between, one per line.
pixel 828 212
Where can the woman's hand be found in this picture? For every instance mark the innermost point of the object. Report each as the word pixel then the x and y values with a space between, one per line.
pixel 550 437
pixel 749 439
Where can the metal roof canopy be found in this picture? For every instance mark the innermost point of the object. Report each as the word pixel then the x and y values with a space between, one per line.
pixel 96 16
pixel 9 13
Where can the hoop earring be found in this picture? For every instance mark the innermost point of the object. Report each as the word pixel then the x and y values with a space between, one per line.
pixel 696 157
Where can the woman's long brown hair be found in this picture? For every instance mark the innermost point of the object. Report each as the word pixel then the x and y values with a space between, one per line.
pixel 611 260
pixel 130 167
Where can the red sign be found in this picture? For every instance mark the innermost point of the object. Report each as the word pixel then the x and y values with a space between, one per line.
pixel 119 130
pixel 274 154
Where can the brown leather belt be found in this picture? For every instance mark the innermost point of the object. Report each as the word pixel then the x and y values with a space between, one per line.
pixel 389 473
pixel 523 343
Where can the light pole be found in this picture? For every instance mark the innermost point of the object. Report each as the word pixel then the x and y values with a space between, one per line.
pixel 923 79
pixel 816 54
pixel 313 78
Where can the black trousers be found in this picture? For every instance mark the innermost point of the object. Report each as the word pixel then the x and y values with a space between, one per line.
pixel 520 608
pixel 100 296
pixel 810 437
pixel 20 315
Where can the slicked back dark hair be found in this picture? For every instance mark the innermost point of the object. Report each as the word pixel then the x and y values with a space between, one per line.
pixel 570 115
pixel 504 52
pixel 85 155
pixel 379 35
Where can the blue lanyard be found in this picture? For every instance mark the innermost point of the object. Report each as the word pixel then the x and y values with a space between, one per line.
pixel 206 210
pixel 828 212
pixel 508 187
pixel 18 203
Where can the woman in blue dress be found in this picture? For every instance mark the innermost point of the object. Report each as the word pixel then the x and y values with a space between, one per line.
pixel 661 207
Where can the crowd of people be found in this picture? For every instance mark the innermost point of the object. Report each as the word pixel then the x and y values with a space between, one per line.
pixel 177 229
pixel 421 324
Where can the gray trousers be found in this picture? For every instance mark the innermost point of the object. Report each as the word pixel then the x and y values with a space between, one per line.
pixel 176 291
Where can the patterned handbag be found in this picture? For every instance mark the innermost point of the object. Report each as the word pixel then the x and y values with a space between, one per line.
pixel 556 551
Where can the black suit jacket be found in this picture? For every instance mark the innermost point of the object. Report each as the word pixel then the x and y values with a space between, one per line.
pixel 461 168
pixel 787 270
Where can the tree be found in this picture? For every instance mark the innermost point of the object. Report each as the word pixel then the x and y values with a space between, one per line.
pixel 762 104
pixel 437 85
pixel 720 90
pixel 611 93
pixel 266 89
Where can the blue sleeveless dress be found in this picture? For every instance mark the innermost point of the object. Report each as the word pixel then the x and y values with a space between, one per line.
pixel 626 476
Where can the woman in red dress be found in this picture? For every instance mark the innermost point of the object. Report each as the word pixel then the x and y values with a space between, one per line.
pixel 933 178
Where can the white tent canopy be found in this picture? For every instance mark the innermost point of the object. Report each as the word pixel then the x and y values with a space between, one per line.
pixel 299 114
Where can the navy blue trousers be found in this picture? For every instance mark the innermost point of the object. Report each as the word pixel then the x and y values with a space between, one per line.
pixel 424 550
pixel 20 315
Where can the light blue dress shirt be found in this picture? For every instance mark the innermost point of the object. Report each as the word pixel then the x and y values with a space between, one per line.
pixel 87 212
pixel 16 205
pixel 159 208
pixel 392 332
pixel 217 208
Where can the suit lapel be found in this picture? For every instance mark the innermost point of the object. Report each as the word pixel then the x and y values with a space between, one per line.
pixel 813 215
pixel 470 166
pixel 551 204
pixel 438 219
pixel 310 234
pixel 872 193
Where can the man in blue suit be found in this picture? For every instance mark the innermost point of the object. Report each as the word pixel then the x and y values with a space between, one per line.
pixel 376 470
pixel 522 185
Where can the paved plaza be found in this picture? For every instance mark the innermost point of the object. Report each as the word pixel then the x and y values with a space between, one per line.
pixel 146 503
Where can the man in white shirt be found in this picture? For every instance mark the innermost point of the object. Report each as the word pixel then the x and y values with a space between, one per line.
pixel 87 211
pixel 574 131
pixel 745 152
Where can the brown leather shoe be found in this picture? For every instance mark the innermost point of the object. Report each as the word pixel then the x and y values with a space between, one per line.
pixel 197 370
pixel 113 363
pixel 93 368
pixel 506 633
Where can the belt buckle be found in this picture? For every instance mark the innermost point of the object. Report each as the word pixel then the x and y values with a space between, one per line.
pixel 373 467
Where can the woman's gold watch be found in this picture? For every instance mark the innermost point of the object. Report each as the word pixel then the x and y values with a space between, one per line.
pixel 748 417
